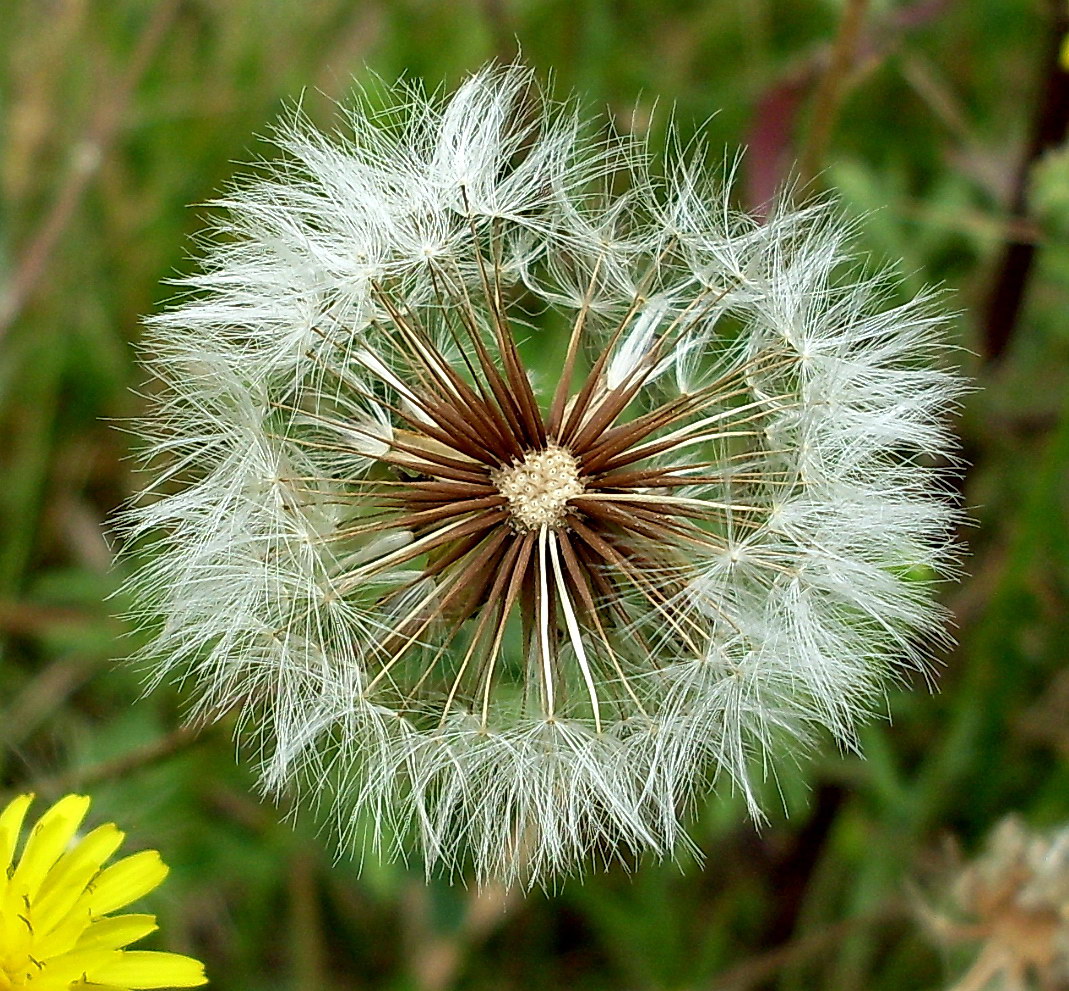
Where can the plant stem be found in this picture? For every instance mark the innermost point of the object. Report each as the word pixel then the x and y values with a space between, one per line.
pixel 762 968
pixel 86 157
pixel 1048 131
pixel 151 753
pixel 831 89
pixel 307 949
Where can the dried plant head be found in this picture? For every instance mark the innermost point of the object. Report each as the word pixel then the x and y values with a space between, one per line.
pixel 514 492
pixel 1011 906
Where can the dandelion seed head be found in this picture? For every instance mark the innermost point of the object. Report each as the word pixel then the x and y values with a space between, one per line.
pixel 514 614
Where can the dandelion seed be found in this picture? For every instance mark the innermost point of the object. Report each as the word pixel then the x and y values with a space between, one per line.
pixel 57 899
pixel 522 626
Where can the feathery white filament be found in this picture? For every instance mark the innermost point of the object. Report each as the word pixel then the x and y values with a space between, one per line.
pixel 574 632
pixel 543 620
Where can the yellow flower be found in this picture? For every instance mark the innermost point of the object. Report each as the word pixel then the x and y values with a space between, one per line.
pixel 56 930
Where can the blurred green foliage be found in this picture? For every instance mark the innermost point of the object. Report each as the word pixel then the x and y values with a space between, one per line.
pixel 116 115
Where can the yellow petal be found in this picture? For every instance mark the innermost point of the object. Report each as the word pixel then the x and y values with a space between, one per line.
pixel 48 840
pixel 62 971
pixel 115 932
pixel 71 875
pixel 10 827
pixel 65 936
pixel 124 882
pixel 137 969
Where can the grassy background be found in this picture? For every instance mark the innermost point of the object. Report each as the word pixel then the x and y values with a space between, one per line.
pixel 115 115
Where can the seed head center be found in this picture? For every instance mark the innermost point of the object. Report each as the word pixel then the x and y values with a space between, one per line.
pixel 539 487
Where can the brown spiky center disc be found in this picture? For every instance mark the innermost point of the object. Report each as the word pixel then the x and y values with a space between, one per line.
pixel 543 555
